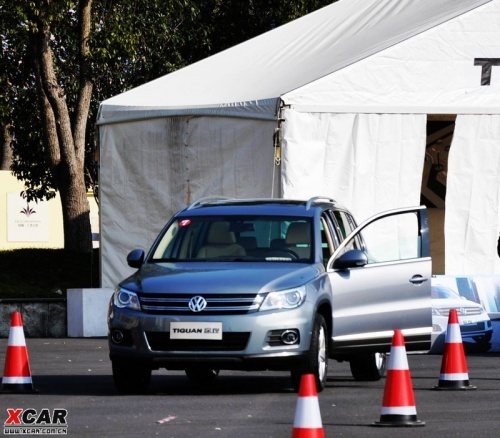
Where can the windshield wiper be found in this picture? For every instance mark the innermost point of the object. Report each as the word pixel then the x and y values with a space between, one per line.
pixel 224 259
pixel 164 260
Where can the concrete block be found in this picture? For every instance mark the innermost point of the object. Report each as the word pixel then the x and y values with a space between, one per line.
pixel 34 319
pixel 56 323
pixel 87 312
pixel 41 318
pixel 6 310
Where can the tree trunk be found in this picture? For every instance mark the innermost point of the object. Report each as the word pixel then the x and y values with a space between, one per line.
pixel 6 150
pixel 66 142
pixel 76 214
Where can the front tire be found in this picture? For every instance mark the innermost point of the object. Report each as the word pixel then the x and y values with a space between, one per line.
pixel 369 367
pixel 317 357
pixel 485 339
pixel 483 343
pixel 130 378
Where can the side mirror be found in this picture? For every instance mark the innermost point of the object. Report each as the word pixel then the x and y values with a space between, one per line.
pixel 351 259
pixel 135 259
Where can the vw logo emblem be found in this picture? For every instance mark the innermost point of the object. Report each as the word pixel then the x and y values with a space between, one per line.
pixel 463 311
pixel 197 304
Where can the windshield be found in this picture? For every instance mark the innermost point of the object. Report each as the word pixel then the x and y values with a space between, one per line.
pixel 443 292
pixel 236 238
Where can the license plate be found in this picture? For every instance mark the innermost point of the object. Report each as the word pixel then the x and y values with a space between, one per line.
pixel 196 330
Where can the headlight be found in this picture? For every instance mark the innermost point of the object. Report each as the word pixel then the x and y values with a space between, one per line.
pixel 286 299
pixel 126 300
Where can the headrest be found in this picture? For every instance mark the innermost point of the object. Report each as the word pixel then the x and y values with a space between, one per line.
pixel 298 233
pixel 219 234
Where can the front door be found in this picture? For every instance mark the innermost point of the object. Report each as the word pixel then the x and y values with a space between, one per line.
pixel 381 281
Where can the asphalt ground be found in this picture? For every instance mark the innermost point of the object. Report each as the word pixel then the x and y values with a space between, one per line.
pixel 74 375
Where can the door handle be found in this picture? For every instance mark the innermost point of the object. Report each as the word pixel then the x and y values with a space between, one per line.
pixel 418 280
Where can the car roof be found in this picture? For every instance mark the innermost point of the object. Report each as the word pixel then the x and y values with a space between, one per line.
pixel 258 206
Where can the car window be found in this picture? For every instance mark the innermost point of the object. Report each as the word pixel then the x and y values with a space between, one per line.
pixel 238 238
pixel 344 225
pixel 329 238
pixel 393 238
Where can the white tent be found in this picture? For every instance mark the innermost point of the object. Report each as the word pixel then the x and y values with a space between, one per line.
pixel 344 92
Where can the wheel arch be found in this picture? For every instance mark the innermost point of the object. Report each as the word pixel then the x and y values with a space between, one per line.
pixel 325 310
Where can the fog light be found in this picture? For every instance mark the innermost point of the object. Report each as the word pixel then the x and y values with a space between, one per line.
pixel 436 328
pixel 117 336
pixel 290 337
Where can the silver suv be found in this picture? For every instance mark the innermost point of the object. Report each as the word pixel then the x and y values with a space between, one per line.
pixel 272 284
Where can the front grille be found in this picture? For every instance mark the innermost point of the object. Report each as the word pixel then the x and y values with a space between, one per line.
pixel 217 304
pixel 462 311
pixel 234 341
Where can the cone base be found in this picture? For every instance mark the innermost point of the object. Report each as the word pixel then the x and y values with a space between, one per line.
pixel 308 433
pixel 13 388
pixel 398 421
pixel 449 385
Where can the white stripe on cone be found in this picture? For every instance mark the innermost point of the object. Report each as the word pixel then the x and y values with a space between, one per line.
pixel 453 335
pixel 16 337
pixel 307 414
pixel 399 410
pixel 454 376
pixel 16 380
pixel 398 359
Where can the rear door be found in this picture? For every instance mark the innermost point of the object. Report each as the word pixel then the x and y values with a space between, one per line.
pixel 381 281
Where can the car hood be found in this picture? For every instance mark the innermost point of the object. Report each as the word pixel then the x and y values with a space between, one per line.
pixel 450 303
pixel 234 277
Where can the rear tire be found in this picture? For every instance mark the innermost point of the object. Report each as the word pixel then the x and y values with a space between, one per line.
pixel 201 374
pixel 317 358
pixel 130 378
pixel 369 367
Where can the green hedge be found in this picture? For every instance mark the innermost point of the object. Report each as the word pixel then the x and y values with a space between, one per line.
pixel 46 273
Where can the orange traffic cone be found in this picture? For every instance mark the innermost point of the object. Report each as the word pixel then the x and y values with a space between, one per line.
pixel 398 407
pixel 17 374
pixel 454 373
pixel 307 423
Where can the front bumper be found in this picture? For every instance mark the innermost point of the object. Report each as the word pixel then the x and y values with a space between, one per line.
pixel 251 341
pixel 475 329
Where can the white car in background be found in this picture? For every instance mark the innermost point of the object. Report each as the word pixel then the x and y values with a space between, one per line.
pixel 475 324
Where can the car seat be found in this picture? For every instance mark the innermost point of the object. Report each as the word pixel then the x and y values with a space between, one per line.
pixel 220 242
pixel 298 239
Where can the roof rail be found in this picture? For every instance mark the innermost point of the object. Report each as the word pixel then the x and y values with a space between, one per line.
pixel 314 199
pixel 205 200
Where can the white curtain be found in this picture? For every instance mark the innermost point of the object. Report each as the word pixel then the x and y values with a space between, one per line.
pixel 472 196
pixel 152 168
pixel 367 162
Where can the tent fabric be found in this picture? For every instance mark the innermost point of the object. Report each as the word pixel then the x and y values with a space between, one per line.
pixel 473 195
pixel 433 72
pixel 346 87
pixel 152 168
pixel 368 162
pixel 248 80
